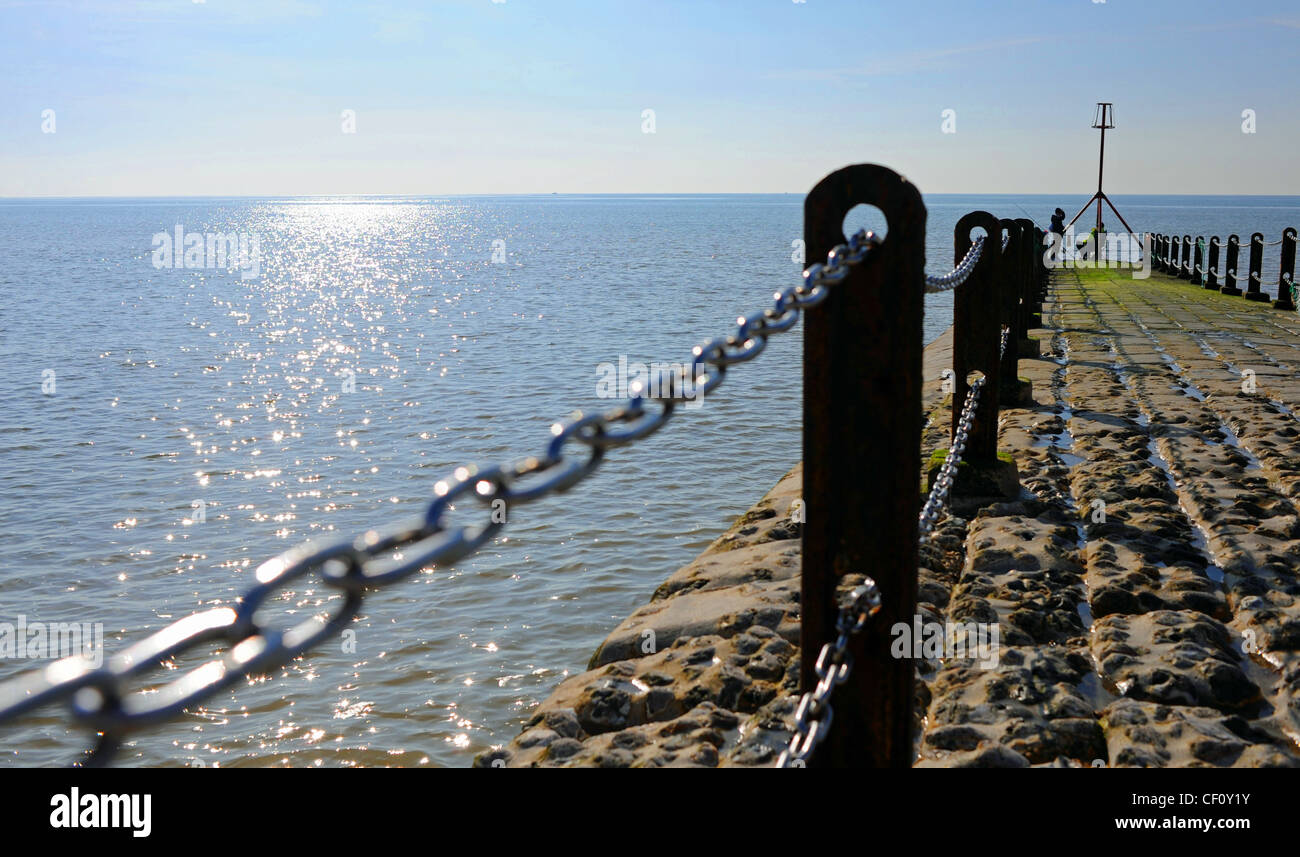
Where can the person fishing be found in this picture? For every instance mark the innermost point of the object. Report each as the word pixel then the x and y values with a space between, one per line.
pixel 1057 226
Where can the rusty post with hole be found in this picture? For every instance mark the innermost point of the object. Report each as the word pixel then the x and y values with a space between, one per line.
pixel 1024 260
pixel 1040 263
pixel 1255 276
pixel 1286 276
pixel 1013 285
pixel 861 443
pixel 976 334
pixel 1212 266
pixel 1230 267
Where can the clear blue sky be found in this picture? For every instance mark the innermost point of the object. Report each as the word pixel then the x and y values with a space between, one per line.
pixel 244 97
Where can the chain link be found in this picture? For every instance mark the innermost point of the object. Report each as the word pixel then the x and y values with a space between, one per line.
pixel 100 697
pixel 959 274
pixel 937 502
pixel 812 718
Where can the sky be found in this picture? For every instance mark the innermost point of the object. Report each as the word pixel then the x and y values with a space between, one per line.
pixel 235 98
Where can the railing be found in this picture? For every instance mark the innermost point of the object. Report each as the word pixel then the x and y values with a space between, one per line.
pixel 862 428
pixel 863 513
pixel 1170 254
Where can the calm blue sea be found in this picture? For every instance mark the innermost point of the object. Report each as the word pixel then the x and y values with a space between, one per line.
pixel 195 422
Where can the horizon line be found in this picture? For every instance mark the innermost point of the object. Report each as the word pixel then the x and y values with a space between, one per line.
pixel 543 194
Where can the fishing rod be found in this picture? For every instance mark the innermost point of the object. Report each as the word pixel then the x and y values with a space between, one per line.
pixel 1028 215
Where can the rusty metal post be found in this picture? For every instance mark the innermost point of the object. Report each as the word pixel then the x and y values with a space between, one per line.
pixel 1040 264
pixel 1286 276
pixel 1043 274
pixel 1025 264
pixel 1033 290
pixel 861 444
pixel 1013 286
pixel 1026 283
pixel 1230 267
pixel 1212 267
pixel 1198 262
pixel 976 334
pixel 1255 276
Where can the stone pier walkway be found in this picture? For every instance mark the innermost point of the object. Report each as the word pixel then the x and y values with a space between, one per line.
pixel 1144 586
pixel 1147 593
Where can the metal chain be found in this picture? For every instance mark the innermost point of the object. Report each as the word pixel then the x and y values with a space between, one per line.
pixel 959 274
pixel 1246 243
pixel 97 695
pixel 937 502
pixel 812 719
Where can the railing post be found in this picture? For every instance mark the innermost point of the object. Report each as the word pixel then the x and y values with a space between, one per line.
pixel 1230 267
pixel 1040 265
pixel 861 442
pixel 1286 276
pixel 1198 262
pixel 1185 266
pixel 1175 254
pixel 1031 272
pixel 976 334
pixel 1025 280
pixel 1025 264
pixel 1255 276
pixel 1017 278
pixel 1212 267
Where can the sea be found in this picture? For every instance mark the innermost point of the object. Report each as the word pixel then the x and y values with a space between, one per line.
pixel 167 426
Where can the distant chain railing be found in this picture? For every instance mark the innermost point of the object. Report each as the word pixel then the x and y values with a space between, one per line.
pixel 98 696
pixel 1225 269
